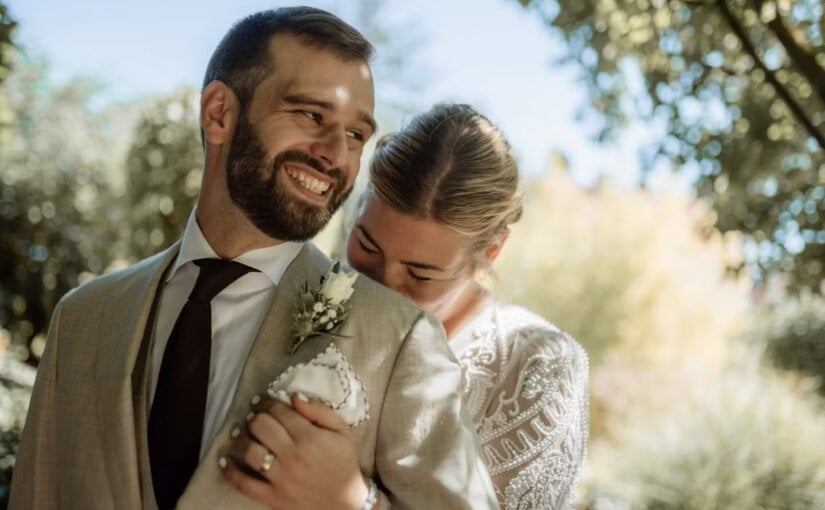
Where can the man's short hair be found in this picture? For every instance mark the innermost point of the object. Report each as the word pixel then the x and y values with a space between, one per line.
pixel 242 59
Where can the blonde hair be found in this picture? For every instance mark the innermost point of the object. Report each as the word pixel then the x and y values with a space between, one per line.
pixel 451 165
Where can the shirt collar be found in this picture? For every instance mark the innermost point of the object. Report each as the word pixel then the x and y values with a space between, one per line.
pixel 271 260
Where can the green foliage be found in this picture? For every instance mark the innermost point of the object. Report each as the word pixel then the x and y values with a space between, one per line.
pixel 739 86
pixel 163 169
pixel 7 28
pixel 15 391
pixel 56 200
pixel 795 340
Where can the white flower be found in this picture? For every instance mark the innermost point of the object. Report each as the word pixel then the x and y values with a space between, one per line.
pixel 320 311
pixel 338 287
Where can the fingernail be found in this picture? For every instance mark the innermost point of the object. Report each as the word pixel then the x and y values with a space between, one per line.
pixel 235 432
pixel 222 462
pixel 302 397
pixel 256 399
pixel 250 416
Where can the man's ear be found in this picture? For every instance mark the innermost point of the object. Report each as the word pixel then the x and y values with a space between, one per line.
pixel 491 252
pixel 219 113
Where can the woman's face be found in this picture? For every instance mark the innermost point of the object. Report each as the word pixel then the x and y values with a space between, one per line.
pixel 420 259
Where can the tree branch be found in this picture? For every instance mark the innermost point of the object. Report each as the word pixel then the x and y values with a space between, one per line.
pixel 770 76
pixel 798 50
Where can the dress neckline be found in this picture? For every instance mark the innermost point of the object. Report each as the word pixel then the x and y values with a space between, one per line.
pixel 464 337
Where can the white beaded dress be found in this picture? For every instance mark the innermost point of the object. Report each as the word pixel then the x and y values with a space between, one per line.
pixel 525 385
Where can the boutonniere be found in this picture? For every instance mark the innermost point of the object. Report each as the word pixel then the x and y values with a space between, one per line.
pixel 319 311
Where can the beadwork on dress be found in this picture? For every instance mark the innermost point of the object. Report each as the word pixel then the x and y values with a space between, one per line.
pixel 525 386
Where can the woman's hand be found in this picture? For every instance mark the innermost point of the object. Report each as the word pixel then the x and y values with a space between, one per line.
pixel 296 457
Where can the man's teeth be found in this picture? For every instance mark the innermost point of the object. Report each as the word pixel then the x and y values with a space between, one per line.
pixel 308 182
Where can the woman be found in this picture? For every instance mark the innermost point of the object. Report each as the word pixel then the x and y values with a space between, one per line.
pixel 443 194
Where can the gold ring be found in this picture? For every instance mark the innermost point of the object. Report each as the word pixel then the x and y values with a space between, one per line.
pixel 269 457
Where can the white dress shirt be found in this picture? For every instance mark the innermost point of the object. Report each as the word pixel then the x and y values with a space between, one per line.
pixel 237 314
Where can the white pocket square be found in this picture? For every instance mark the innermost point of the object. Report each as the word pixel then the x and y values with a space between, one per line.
pixel 330 378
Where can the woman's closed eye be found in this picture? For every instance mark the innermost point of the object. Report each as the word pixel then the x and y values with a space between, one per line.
pixel 367 249
pixel 418 278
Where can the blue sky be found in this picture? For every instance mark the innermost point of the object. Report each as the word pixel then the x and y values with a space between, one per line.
pixel 490 53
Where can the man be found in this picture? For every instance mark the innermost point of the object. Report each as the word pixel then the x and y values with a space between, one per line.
pixel 134 408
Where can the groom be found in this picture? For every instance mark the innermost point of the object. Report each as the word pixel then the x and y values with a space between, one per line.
pixel 148 373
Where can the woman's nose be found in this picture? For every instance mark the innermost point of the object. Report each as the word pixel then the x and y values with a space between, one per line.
pixel 393 277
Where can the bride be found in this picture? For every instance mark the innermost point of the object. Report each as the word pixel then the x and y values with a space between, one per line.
pixel 442 195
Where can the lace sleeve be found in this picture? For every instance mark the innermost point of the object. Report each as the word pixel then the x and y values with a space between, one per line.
pixel 534 431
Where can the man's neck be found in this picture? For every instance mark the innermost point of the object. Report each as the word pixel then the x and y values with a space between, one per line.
pixel 229 232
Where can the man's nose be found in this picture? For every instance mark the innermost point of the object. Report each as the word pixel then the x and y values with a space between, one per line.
pixel 331 147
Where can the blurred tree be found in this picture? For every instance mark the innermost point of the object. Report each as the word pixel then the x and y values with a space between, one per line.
pixel 740 87
pixel 56 199
pixel 13 396
pixel 7 27
pixel 163 173
pixel 795 337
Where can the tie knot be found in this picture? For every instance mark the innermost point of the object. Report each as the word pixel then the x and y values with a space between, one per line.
pixel 215 275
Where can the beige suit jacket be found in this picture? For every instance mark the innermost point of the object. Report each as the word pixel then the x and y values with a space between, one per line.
pixel 84 444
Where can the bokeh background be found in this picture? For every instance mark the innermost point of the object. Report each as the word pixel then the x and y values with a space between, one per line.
pixel 673 159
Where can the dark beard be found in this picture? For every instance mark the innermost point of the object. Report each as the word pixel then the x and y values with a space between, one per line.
pixel 254 189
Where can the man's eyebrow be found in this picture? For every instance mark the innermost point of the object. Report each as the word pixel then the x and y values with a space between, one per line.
pixel 303 99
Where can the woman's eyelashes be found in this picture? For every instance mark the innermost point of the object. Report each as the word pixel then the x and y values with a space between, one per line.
pixel 418 278
pixel 372 251
pixel 367 249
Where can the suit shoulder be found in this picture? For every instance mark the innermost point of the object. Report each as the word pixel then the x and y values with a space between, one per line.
pixel 377 295
pixel 104 285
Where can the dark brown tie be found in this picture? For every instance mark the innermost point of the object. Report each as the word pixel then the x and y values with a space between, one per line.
pixel 179 405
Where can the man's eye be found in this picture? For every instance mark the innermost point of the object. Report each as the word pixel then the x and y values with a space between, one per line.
pixel 315 117
pixel 356 135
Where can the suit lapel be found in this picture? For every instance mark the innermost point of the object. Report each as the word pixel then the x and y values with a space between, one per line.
pixel 129 329
pixel 267 358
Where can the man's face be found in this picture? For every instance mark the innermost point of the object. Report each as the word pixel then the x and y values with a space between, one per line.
pixel 297 148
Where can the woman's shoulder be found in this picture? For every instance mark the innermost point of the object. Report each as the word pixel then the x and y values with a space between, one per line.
pixel 530 336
